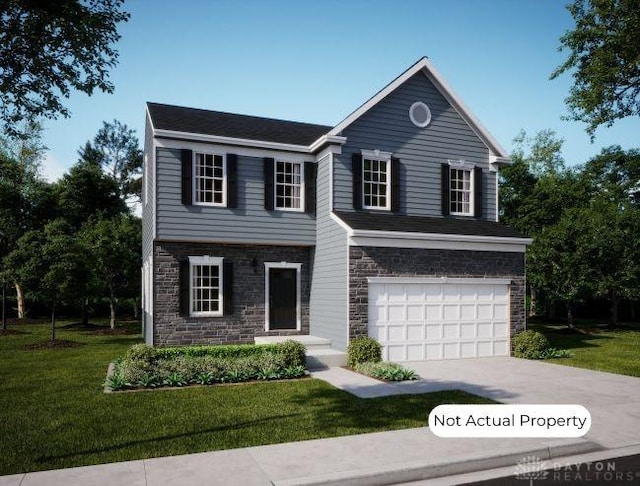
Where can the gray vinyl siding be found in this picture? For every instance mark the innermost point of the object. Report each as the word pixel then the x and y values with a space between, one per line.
pixel 148 195
pixel 387 127
pixel 329 283
pixel 248 223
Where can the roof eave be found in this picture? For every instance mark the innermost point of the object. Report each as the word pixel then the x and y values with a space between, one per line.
pixel 244 142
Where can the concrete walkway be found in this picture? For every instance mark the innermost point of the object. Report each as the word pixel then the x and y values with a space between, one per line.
pixel 398 456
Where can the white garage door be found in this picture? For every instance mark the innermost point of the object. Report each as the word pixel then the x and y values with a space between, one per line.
pixel 416 319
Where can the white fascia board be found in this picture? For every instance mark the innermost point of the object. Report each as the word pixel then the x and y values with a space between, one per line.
pixel 198 137
pixel 440 280
pixel 327 140
pixel 497 161
pixel 420 243
pixel 342 224
pixel 397 239
pixel 148 113
pixel 240 151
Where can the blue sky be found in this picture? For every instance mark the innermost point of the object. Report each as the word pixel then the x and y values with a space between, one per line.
pixel 317 61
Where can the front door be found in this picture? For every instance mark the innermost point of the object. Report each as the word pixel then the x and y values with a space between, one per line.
pixel 283 298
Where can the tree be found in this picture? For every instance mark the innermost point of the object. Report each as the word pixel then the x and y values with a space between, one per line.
pixel 117 150
pixel 26 200
pixel 53 265
pixel 604 58
pixel 86 191
pixel 115 247
pixel 48 49
pixel 556 264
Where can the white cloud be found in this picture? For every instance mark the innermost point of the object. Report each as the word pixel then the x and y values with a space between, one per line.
pixel 51 169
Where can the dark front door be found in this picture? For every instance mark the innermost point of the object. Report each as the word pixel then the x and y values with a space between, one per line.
pixel 282 298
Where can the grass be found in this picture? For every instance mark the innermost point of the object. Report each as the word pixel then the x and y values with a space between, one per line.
pixel 54 414
pixel 596 347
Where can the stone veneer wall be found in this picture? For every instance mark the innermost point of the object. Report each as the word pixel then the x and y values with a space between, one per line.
pixel 367 262
pixel 248 317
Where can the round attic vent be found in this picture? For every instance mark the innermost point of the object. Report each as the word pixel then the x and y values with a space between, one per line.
pixel 420 114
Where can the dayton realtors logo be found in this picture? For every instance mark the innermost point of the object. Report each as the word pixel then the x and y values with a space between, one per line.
pixel 531 468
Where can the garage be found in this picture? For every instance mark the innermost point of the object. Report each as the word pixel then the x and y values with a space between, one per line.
pixel 439 318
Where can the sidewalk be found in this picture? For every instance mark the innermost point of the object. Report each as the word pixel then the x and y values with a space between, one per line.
pixel 385 457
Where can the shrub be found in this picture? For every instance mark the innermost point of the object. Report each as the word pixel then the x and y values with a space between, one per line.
pixel 386 371
pixel 530 344
pixel 141 352
pixel 363 349
pixel 555 353
pixel 218 351
pixel 293 353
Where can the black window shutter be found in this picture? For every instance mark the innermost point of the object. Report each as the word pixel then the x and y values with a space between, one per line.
pixel 310 187
pixel 395 184
pixel 356 163
pixel 187 176
pixel 227 283
pixel 477 192
pixel 445 189
pixel 185 298
pixel 268 183
pixel 232 181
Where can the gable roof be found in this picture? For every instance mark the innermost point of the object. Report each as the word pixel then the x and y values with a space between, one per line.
pixel 360 221
pixel 425 66
pixel 205 122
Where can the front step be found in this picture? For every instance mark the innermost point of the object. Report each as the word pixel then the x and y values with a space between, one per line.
pixel 325 358
pixel 319 352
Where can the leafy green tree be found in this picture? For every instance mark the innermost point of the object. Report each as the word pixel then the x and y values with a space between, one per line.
pixel 52 264
pixel 115 247
pixel 604 59
pixel 85 191
pixel 117 150
pixel 26 200
pixel 48 49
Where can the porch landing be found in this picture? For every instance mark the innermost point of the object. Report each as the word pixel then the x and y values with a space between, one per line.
pixel 319 352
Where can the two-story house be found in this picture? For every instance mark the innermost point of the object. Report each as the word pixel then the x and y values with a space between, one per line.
pixel 384 225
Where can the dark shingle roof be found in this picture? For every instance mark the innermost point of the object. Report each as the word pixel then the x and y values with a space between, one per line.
pixel 193 120
pixel 421 224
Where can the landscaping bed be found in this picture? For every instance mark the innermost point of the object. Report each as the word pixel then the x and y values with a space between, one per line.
pixel 144 367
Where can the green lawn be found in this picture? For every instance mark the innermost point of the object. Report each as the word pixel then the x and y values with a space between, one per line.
pixel 597 347
pixel 54 414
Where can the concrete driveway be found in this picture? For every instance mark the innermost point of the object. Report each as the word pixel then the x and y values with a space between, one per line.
pixel 613 400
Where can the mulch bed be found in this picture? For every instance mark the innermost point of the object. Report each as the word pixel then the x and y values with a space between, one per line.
pixel 57 344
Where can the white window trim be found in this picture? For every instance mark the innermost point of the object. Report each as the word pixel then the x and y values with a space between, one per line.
pixel 379 156
pixel 301 209
pixel 213 261
pixel 466 166
pixel 223 204
pixel 268 266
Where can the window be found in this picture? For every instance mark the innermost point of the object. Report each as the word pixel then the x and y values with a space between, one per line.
pixel 209 179
pixel 205 286
pixel 288 185
pixel 375 180
pixel 461 184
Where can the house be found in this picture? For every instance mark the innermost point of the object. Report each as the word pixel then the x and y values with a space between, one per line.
pixel 384 225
